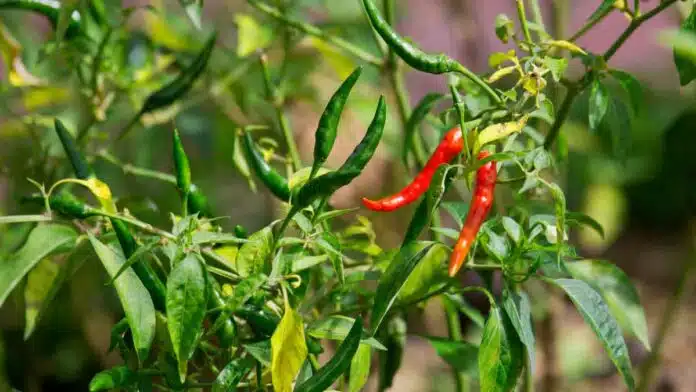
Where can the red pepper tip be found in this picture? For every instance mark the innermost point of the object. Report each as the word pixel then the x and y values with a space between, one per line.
pixel 372 205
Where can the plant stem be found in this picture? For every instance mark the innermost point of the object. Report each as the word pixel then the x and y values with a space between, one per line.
pixel 137 171
pixel 454 329
pixel 573 92
pixel 589 25
pixel 276 100
pixel 138 223
pixel 647 372
pixel 522 15
pixel 24 218
pixel 479 82
pixel 537 14
pixel 314 31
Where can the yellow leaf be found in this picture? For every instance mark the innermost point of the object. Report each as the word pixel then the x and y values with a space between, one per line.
pixel 501 73
pixel 288 350
pixel 338 61
pixel 229 253
pixel 41 97
pixel 251 36
pixel 99 189
pixel 498 131
pixel 11 50
pixel 533 85
pixel 162 31
pixel 566 45
pixel 498 58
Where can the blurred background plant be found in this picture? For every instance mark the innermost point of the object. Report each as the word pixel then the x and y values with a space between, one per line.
pixel 633 173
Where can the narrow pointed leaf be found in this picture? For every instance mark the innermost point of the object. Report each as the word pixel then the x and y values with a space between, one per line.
pixel 135 299
pixel 598 316
pixel 288 350
pixel 519 311
pixel 360 368
pixel 500 354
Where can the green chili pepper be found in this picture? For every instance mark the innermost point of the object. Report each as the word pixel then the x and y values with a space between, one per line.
pixel 262 323
pixel 65 204
pixel 176 88
pixel 413 56
pixel 329 183
pixel 183 170
pixel 366 149
pixel 79 163
pixel 276 183
pixel 240 231
pixel 325 135
pixel 50 10
pixel 142 269
pixel 394 340
pixel 228 330
pixel 197 202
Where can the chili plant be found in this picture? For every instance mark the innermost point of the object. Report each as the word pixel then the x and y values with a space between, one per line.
pixel 211 309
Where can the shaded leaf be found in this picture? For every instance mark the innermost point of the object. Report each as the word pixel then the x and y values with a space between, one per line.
pixel 632 87
pixel 118 377
pixel 500 354
pixel 519 312
pixel 461 355
pixel 360 368
pixel 231 375
pixel 428 273
pixel 685 64
pixel 599 104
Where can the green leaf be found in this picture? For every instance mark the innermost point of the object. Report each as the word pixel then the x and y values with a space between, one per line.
pixel 513 229
pixel 519 312
pixel 428 273
pixel 599 104
pixel 685 64
pixel 338 364
pixel 337 328
pixel 500 354
pixel 231 375
pixel 459 354
pixel 393 280
pixel 618 124
pixel 251 36
pixel 43 240
pixel 597 314
pixel 618 292
pixel 584 219
pixel 632 87
pixel 193 9
pixel 301 262
pixel 261 351
pixel 41 282
pixel 211 237
pixel 254 256
pixel 465 307
pixel 360 368
pixel 457 210
pixel 288 350
pixel 428 206
pixel 556 66
pixel 186 304
pixel 328 215
pixel 332 246
pixel 118 377
pixel 135 299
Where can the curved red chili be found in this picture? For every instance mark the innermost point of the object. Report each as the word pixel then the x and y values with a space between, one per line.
pixel 481 202
pixel 449 147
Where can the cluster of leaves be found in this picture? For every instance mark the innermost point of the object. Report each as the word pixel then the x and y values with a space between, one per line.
pixel 253 311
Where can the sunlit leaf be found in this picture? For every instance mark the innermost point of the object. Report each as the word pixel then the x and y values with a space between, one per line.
pixel 254 256
pixel 135 299
pixel 43 240
pixel 251 36
pixel 288 350
pixel 685 63
pixel 360 368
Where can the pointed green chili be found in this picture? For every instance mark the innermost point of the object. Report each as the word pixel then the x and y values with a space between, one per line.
pixel 198 203
pixel 77 160
pixel 65 204
pixel 176 88
pixel 50 10
pixel 182 169
pixel 327 130
pixel 418 59
pixel 328 183
pixel 276 183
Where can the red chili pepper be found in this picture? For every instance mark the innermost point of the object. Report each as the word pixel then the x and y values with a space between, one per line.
pixel 449 147
pixel 481 202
